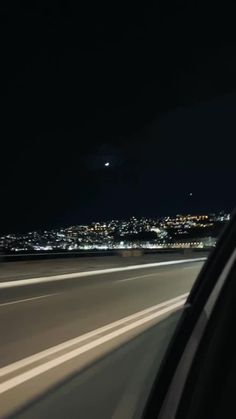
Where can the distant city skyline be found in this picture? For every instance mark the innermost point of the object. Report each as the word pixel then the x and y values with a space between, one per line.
pixel 180 231
pixel 107 219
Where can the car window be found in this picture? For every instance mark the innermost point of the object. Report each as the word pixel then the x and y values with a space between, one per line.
pixel 118 172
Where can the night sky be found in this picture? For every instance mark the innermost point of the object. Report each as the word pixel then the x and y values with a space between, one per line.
pixel 152 91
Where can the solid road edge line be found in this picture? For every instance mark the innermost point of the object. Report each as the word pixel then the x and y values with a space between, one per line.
pixel 8 369
pixel 40 280
pixel 34 372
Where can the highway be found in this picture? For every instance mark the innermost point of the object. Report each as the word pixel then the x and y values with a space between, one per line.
pixel 90 315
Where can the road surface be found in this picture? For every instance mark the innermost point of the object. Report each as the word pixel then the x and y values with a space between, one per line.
pixel 15 270
pixel 39 317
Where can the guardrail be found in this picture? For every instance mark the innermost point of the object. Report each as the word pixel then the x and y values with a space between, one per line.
pixel 10 257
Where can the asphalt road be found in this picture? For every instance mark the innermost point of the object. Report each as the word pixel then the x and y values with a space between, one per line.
pixel 11 271
pixel 36 317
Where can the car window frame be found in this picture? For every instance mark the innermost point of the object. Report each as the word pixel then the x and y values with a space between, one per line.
pixel 198 297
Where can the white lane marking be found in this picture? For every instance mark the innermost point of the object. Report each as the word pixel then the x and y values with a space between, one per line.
pixel 137 277
pixel 34 372
pixel 28 299
pixel 152 274
pixel 141 276
pixel 65 345
pixel 23 282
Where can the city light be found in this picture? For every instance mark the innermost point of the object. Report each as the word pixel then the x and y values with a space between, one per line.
pixel 180 231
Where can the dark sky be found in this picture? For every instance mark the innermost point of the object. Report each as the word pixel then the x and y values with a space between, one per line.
pixel 151 90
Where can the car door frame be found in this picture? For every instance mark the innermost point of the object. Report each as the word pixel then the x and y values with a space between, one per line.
pixel 168 387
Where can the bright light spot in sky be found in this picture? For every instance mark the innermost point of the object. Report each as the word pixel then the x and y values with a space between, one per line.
pixel 107 164
pixel 191 194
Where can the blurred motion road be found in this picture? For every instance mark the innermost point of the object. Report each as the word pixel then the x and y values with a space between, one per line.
pixel 39 316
